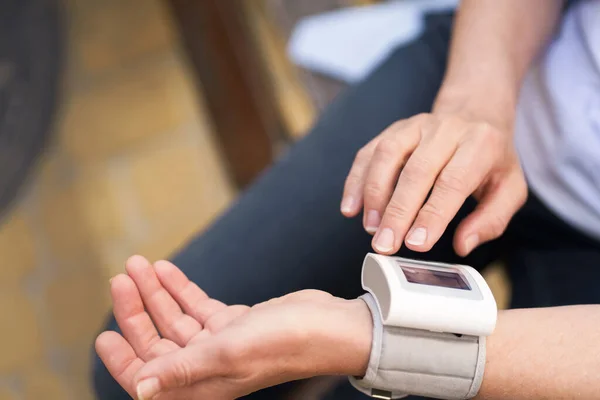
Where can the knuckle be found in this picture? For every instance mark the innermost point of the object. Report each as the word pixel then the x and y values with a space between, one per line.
pixel 489 134
pixel 417 169
pixel 228 358
pixel 521 193
pixel 150 347
pixel 496 225
pixel 421 122
pixel 182 373
pixel 523 196
pixel 396 211
pixel 452 120
pixel 422 117
pixel 353 179
pixel 362 154
pixel 387 148
pixel 399 125
pixel 308 294
pixel 484 127
pixel 212 324
pixel 453 181
pixel 432 211
pixel 231 353
pixel 373 190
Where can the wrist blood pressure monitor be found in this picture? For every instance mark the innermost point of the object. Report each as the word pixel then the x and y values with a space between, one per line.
pixel 430 323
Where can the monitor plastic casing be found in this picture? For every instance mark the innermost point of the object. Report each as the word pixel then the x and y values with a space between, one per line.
pixel 429 307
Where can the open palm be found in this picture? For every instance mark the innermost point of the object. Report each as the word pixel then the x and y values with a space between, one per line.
pixel 183 344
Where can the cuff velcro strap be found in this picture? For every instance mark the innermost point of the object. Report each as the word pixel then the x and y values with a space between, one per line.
pixel 411 361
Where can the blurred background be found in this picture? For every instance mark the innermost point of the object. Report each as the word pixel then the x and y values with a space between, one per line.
pixel 126 126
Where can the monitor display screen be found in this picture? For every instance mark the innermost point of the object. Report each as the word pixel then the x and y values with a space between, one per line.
pixel 434 277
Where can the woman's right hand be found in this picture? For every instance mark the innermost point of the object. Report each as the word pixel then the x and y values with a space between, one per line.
pixel 411 180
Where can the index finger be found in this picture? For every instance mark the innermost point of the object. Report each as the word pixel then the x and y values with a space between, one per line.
pixel 172 323
pixel 132 318
pixel 415 182
pixel 457 181
pixel 186 293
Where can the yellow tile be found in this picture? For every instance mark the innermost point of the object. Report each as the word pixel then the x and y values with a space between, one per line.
pixel 114 260
pixel 6 394
pixel 82 390
pixel 179 184
pixel 42 383
pixel 78 372
pixel 64 228
pixel 109 34
pixel 54 170
pixel 16 248
pixel 98 198
pixel 296 108
pixel 163 245
pixel 86 198
pixel 499 283
pixel 20 338
pixel 113 117
pixel 77 304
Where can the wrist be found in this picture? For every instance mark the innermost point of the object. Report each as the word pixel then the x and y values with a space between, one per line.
pixel 492 103
pixel 349 346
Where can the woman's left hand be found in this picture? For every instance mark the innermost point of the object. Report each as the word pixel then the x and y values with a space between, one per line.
pixel 178 343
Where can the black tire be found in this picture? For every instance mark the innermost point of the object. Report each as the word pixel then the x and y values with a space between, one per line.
pixel 31 44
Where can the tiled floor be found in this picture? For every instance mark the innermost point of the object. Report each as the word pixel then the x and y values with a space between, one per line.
pixel 133 169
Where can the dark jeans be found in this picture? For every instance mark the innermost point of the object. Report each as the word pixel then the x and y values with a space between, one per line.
pixel 286 232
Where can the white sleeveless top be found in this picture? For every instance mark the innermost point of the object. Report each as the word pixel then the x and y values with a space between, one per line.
pixel 557 131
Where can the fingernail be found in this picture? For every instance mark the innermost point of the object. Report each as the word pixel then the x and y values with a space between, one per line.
pixel 373 221
pixel 148 388
pixel 348 204
pixel 417 237
pixel 110 280
pixel 384 242
pixel 471 242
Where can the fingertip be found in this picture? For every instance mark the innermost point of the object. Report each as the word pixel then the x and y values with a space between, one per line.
pixel 166 271
pixel 122 290
pixel 350 214
pixel 105 338
pixel 371 230
pixel 120 281
pixel 164 266
pixel 372 221
pixel 135 262
pixel 466 240
pixel 417 237
pixel 99 342
pixel 136 259
pixel 418 249
pixel 420 239
pixel 384 242
pixel 471 242
pixel 459 243
pixel 350 206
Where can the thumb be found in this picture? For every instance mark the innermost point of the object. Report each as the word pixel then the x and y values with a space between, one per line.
pixel 493 213
pixel 178 369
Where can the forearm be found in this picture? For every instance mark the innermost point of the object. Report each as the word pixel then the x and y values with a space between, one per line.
pixel 493 44
pixel 544 353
